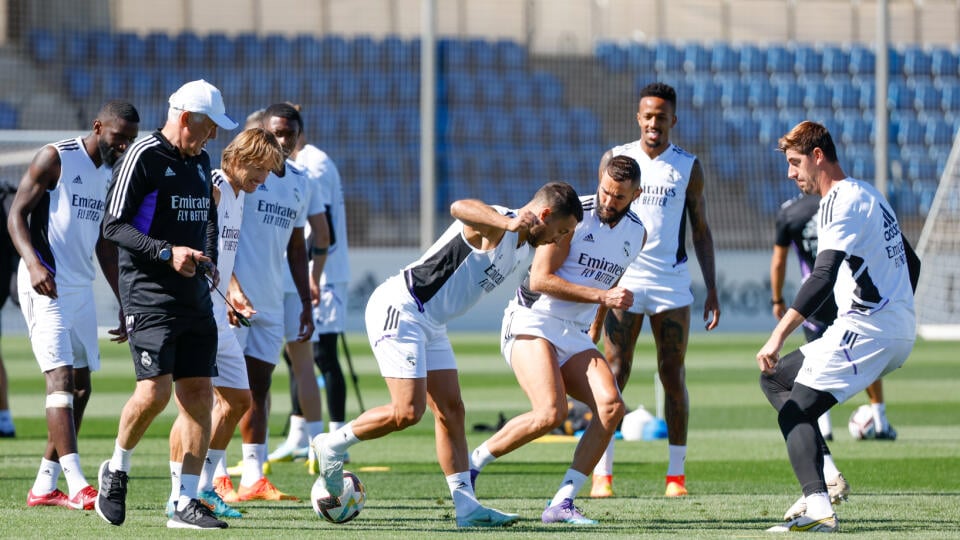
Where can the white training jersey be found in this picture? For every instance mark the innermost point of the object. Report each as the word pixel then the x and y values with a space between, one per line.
pixel 452 275
pixel 873 291
pixel 598 256
pixel 270 215
pixel 316 204
pixel 65 225
pixel 319 165
pixel 229 218
pixel 662 209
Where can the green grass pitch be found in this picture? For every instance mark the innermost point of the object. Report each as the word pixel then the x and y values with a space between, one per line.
pixel 737 471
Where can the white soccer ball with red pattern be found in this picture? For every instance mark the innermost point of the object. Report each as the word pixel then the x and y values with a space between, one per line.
pixel 861 424
pixel 350 501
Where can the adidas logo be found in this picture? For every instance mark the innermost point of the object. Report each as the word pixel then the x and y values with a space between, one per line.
pixel 77 180
pixel 263 187
pixel 588 238
pixel 169 172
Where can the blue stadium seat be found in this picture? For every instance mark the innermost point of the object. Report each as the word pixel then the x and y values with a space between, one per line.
pixel 586 126
pixel 926 97
pixel 279 50
pixel 103 47
pixel 520 91
pixel 779 59
pixel 530 129
pixel 864 168
pixel 734 93
pixel 817 96
pixel 161 49
pixel 640 57
pixel 318 87
pixel 938 132
pixel 289 85
pixel 453 54
pixel 492 90
pixel 726 171
pixel 133 49
pixel 761 94
pixel 482 54
pixel 321 123
pixel 348 87
pixel 500 129
pixel 862 60
pixel 367 52
pixel 807 60
pixel 910 133
pixel 845 96
pixel 922 169
pixel 916 61
pixel 460 89
pixel 307 51
pixel 43 45
pixel 396 53
pixel 943 62
pixel 667 58
pixel 696 59
pixel 868 92
pixel 557 130
pixel 257 88
pixel 141 85
pixel 111 83
pixel 377 88
pixel 724 58
pixel 549 88
pixel 406 87
pixel 338 53
pixel 789 96
pixel 706 93
pixel 251 51
pixel 899 95
pixel 79 82
pixel 510 55
pixel 221 50
pixel 855 131
pixel 752 59
pixel 950 99
pixel 192 50
pixel 835 60
pixel 358 124
pixel 611 56
pixel 75 47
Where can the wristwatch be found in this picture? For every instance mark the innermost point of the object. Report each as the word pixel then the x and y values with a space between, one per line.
pixel 166 253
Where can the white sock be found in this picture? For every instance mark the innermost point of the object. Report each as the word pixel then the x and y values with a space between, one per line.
pixel 829 468
pixel 297 436
pixel 47 477
pixel 72 471
pixel 120 461
pixel 221 466
pixel 604 467
pixel 333 426
pixel 818 505
pixel 572 482
pixel 464 499
pixel 188 489
pixel 678 456
pixel 826 428
pixel 313 429
pixel 481 457
pixel 342 439
pixel 209 468
pixel 252 466
pixel 879 416
pixel 176 479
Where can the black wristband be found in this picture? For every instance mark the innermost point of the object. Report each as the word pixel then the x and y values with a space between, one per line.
pixel 316 252
pixel 776 302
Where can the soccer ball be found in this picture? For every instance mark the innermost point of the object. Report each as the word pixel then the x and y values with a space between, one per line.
pixel 351 500
pixel 861 423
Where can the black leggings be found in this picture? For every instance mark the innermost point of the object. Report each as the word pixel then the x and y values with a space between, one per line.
pixel 326 359
pixel 798 408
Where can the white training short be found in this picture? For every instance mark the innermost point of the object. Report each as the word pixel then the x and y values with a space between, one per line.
pixel 263 339
pixel 567 337
pixel 292 307
pixel 331 315
pixel 843 363
pixel 231 364
pixel 406 343
pixel 669 292
pixel 62 331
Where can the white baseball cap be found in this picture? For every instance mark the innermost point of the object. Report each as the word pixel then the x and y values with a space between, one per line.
pixel 202 97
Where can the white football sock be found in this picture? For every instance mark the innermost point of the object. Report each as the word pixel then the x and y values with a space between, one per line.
pixel 879 416
pixel 210 467
pixel 333 426
pixel 342 439
pixel 72 471
pixel 297 435
pixel 572 482
pixel 188 489
pixel 120 461
pixel 252 465
pixel 176 472
pixel 829 468
pixel 481 457
pixel 604 467
pixel 221 466
pixel 818 506
pixel 464 499
pixel 47 477
pixel 678 456
pixel 826 428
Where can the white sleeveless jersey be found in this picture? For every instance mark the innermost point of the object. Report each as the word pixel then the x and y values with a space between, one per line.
pixel 598 256
pixel 319 165
pixel 229 218
pixel 65 226
pixel 873 291
pixel 452 275
pixel 269 217
pixel 662 209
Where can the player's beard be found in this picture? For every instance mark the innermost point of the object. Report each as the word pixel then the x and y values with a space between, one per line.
pixel 107 154
pixel 609 215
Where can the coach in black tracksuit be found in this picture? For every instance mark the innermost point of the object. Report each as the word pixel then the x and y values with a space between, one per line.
pixel 160 212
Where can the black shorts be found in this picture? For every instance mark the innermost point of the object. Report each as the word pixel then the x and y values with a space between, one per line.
pixel 164 344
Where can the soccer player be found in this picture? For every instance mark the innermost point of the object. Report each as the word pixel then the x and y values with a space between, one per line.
pixel 330 312
pixel 673 190
pixel 406 324
pixel 864 260
pixel 8 279
pixel 547 340
pixel 158 213
pixel 273 246
pixel 246 162
pixel 54 224
pixel 797 226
